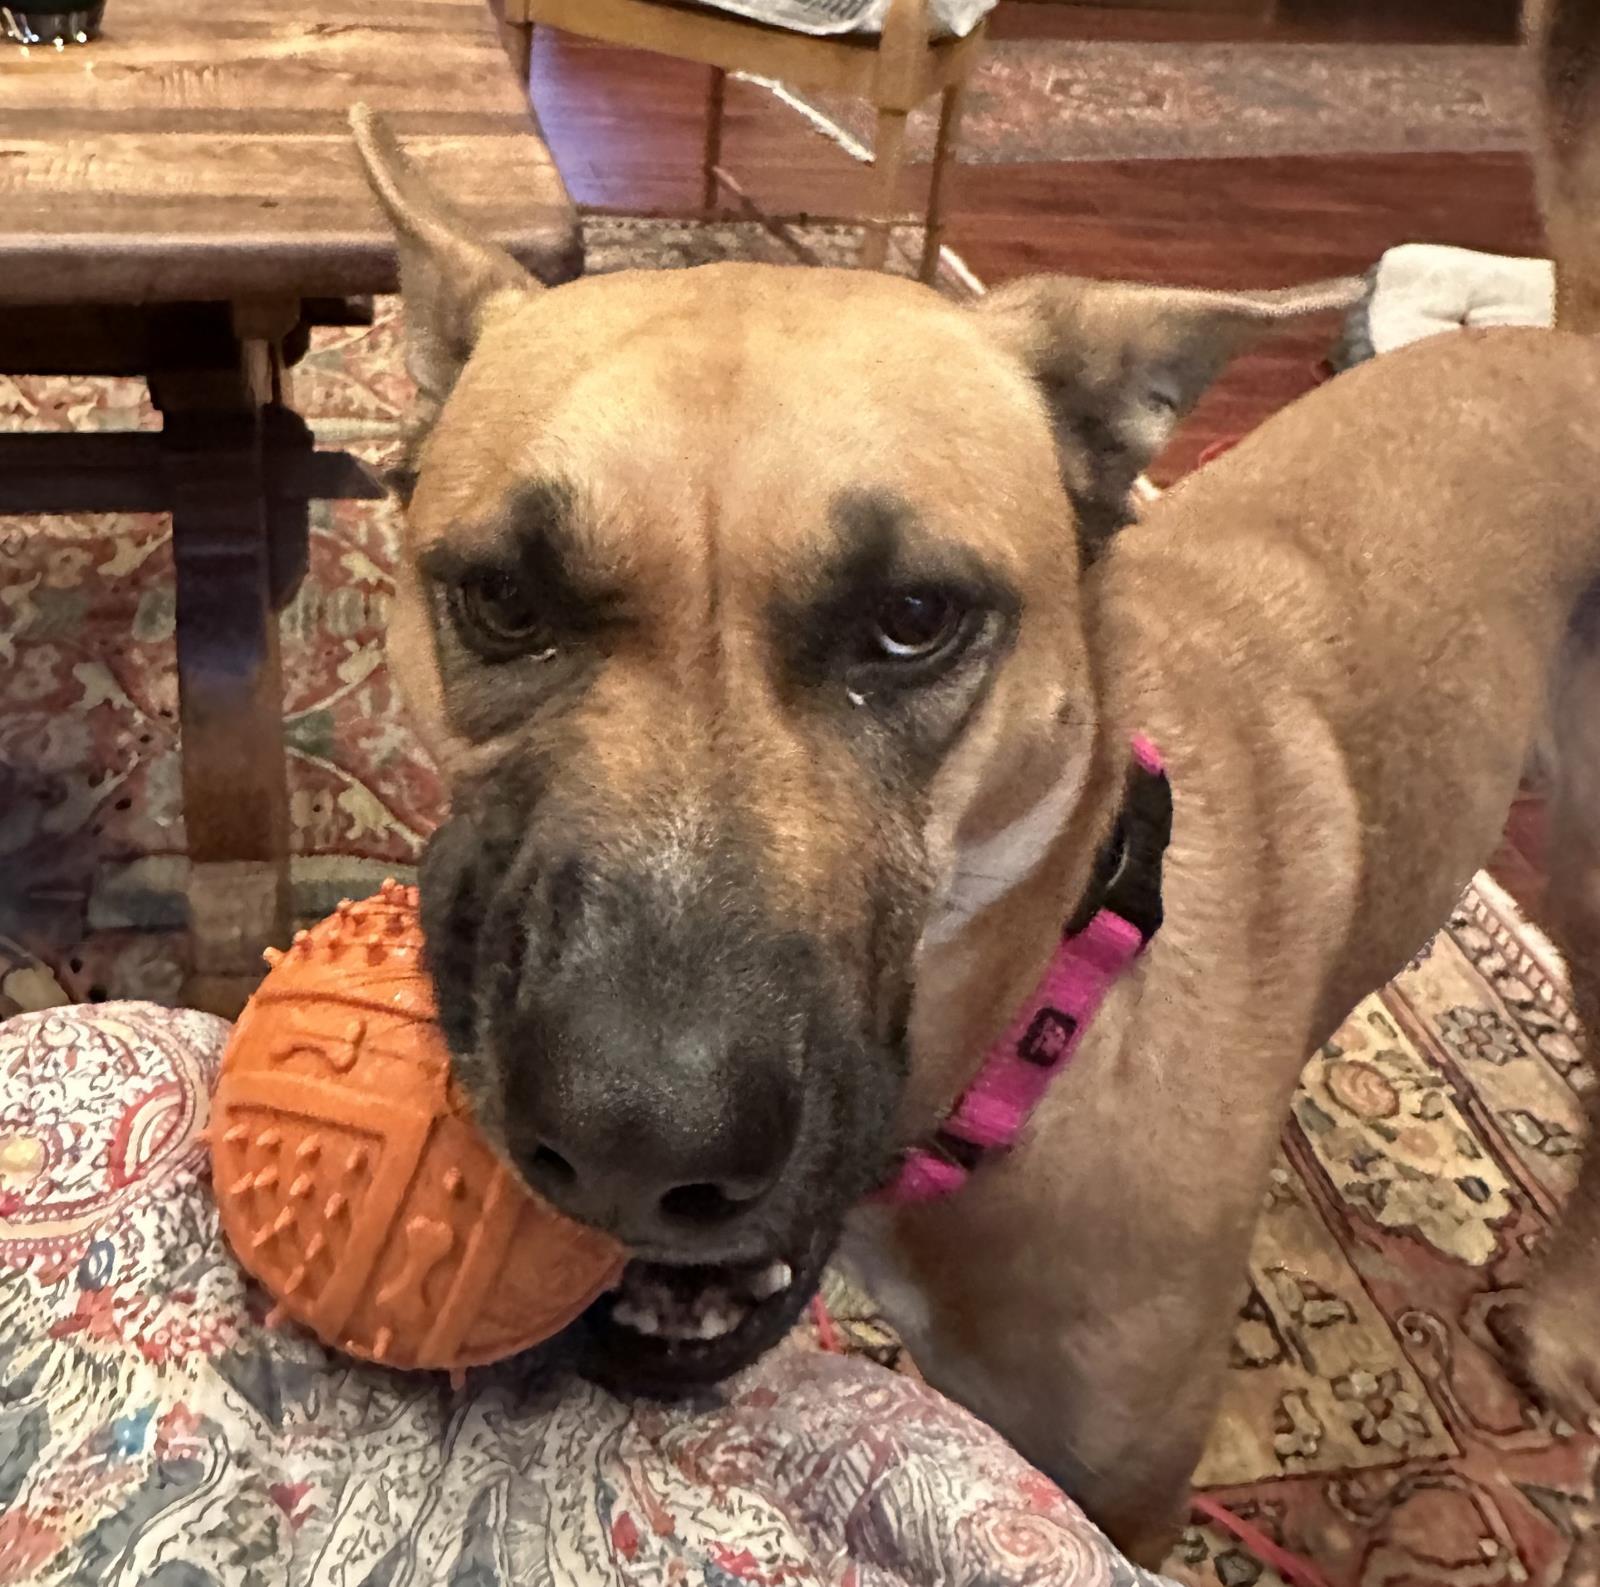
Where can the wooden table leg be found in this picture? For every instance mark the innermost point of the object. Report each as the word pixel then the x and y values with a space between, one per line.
pixel 522 53
pixel 235 788
pixel 516 32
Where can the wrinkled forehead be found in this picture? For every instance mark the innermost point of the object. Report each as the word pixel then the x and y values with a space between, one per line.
pixel 746 404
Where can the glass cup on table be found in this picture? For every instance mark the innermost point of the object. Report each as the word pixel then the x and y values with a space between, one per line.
pixel 53 24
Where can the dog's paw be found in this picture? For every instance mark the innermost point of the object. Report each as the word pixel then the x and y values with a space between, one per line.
pixel 1551 1348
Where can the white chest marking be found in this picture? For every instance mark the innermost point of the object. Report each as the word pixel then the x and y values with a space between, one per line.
pixel 986 871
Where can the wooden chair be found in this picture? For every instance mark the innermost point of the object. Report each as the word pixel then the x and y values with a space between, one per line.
pixel 896 70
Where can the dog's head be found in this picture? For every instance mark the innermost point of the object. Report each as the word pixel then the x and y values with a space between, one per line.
pixel 741 603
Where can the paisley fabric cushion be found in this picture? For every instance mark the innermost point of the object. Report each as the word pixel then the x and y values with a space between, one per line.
pixel 155 1433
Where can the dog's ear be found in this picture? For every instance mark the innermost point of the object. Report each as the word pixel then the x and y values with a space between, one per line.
pixel 1121 364
pixel 453 283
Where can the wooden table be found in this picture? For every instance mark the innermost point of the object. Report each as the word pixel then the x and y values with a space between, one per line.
pixel 180 200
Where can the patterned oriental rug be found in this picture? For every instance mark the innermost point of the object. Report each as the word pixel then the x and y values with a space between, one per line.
pixel 1368 1426
pixel 1060 100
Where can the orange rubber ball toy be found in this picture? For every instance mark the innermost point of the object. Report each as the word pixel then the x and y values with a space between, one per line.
pixel 351 1179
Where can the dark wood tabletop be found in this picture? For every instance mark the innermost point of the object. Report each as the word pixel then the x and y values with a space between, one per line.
pixel 199 149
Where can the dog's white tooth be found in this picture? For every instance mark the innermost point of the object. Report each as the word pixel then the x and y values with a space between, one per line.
pixel 715 1323
pixel 772 1280
pixel 639 1318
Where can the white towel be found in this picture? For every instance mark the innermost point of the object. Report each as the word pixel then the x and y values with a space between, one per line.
pixel 1421 290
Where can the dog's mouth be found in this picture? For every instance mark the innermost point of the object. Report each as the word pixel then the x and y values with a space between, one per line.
pixel 669 1329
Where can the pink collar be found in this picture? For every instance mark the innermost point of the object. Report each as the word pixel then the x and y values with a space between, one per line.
pixel 1120 913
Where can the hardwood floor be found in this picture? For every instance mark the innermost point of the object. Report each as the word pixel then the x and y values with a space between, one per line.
pixel 626 130
pixel 1306 21
pixel 1237 223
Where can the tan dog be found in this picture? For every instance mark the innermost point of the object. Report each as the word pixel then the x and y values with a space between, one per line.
pixel 747 622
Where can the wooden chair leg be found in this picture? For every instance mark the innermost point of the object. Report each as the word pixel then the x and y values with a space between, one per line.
pixel 888 161
pixel 716 93
pixel 943 156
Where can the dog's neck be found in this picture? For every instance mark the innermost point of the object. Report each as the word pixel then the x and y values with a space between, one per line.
pixel 970 985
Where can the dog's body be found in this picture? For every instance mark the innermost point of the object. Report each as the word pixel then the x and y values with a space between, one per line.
pixel 1313 643
pixel 784 732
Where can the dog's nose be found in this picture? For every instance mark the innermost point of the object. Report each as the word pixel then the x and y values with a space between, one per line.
pixel 670 1155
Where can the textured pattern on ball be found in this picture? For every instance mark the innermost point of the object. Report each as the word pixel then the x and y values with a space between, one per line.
pixel 351 1180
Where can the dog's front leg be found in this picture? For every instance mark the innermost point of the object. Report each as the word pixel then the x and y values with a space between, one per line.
pixel 1091 1332
pixel 1109 1418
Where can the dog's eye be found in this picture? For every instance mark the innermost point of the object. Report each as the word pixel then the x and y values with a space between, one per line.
pixel 915 624
pixel 498 619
